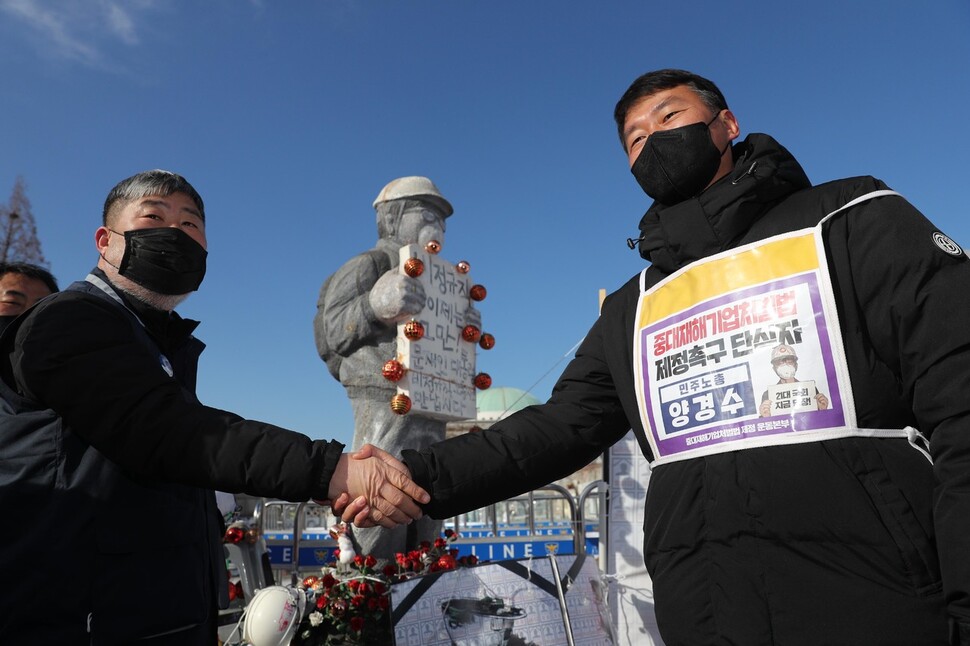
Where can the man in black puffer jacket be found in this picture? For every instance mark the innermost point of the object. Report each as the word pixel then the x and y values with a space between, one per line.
pixel 815 525
pixel 108 460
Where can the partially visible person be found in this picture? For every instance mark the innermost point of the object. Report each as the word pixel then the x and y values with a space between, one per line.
pixel 109 461
pixel 21 285
pixel 784 363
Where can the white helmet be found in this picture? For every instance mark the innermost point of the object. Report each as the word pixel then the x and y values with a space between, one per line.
pixel 273 616
pixel 416 187
pixel 783 352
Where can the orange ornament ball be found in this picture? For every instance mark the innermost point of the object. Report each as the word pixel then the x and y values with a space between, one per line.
pixel 463 267
pixel 471 333
pixel 483 381
pixel 413 267
pixel 413 330
pixel 432 247
pixel 400 404
pixel 393 370
pixel 478 292
pixel 487 342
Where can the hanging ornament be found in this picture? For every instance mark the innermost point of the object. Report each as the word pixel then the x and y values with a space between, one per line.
pixel 413 267
pixel 234 534
pixel 471 333
pixel 400 403
pixel 477 292
pixel 487 342
pixel 413 330
pixel 463 267
pixel 393 370
pixel 483 381
pixel 432 247
pixel 252 535
pixel 310 581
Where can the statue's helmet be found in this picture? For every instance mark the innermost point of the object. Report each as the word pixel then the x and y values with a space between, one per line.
pixel 414 187
pixel 783 352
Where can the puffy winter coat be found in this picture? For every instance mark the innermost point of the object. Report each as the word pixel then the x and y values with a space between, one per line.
pixel 845 541
pixel 107 461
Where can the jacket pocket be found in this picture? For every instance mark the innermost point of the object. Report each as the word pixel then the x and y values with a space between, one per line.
pixel 898 482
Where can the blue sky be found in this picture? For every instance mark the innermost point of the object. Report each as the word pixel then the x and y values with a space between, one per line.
pixel 289 117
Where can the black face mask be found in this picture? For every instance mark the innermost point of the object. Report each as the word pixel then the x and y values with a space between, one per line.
pixel 164 260
pixel 677 164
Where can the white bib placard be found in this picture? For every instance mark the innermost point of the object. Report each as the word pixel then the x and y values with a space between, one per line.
pixel 708 340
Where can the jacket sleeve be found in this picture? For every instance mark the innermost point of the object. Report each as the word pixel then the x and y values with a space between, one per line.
pixel 530 448
pixel 81 358
pixel 915 290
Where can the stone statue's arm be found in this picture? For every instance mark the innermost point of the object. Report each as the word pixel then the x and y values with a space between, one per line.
pixel 345 319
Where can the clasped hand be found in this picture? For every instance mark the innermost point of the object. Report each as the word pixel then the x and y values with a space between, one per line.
pixel 370 487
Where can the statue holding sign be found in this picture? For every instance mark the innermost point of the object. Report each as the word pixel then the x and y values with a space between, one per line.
pixel 397 327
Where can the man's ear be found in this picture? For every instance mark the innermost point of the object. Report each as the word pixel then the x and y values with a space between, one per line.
pixel 730 123
pixel 101 239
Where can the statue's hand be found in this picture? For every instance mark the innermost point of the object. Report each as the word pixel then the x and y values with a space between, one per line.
pixel 396 297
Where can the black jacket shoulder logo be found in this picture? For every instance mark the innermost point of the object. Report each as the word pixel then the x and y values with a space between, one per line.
pixel 946 244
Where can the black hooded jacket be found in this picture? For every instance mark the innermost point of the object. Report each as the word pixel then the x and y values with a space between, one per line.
pixel 835 542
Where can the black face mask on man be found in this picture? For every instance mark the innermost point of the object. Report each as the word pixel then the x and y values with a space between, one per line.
pixel 677 164
pixel 164 260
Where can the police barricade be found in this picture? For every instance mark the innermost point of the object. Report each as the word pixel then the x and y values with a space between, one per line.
pixel 537 523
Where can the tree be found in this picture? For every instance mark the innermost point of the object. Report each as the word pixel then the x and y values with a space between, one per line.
pixel 18 233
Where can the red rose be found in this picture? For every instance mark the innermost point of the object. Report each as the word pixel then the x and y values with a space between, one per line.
pixel 379 588
pixel 454 553
pixel 471 559
pixel 357 600
pixel 328 581
pixel 449 533
pixel 447 562
pixel 358 560
pixel 425 545
pixel 440 542
pixel 383 602
pixel 372 603
pixel 353 584
pixel 390 570
pixel 356 624
pixel 370 561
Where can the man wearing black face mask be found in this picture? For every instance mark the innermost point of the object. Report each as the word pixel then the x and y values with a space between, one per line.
pixel 108 461
pixel 827 525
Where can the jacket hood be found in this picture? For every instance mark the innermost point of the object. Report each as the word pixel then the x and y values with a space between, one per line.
pixel 764 173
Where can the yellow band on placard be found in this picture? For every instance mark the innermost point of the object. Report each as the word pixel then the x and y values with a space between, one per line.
pixel 732 271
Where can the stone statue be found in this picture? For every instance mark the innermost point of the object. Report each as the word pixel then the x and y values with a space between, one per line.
pixel 355 328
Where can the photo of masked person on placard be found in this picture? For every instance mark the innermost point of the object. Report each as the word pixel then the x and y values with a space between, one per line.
pixel 790 394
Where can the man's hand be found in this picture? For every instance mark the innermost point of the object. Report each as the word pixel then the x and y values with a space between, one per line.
pixel 376 482
pixel 764 409
pixel 823 401
pixel 355 512
pixel 395 297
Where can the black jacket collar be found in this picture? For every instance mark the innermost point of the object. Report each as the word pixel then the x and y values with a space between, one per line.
pixel 764 173
pixel 168 329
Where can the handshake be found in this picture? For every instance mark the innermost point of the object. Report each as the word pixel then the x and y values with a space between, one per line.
pixel 370 487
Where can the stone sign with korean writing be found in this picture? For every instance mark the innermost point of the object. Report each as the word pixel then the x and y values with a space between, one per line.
pixel 440 365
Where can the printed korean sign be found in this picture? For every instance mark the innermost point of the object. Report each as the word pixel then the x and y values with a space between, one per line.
pixel 742 349
pixel 440 365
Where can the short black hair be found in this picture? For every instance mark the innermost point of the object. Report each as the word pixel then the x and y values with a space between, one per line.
pixel 30 271
pixel 160 183
pixel 652 82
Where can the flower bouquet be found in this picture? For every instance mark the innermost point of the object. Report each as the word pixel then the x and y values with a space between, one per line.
pixel 349 602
